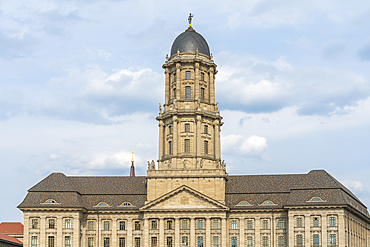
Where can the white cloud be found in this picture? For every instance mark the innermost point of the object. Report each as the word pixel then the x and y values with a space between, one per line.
pixel 354 185
pixel 253 146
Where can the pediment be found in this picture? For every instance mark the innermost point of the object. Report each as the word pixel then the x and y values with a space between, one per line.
pixel 184 198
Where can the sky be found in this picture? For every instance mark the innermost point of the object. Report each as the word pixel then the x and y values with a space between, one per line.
pixel 80 83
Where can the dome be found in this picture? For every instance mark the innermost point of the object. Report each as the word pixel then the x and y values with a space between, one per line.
pixel 189 41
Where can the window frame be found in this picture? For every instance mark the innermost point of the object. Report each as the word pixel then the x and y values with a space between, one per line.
pixel 281 224
pixel 315 221
pixel 68 224
pixel 265 224
pixel 315 240
pixel 249 241
pixel 169 225
pixel 250 225
pixel 120 240
pixel 122 225
pixel 187 146
pixel 188 92
pixel 153 241
pixel 299 240
pixel 200 224
pixel 90 225
pixel 185 224
pixel 206 147
pixel 137 225
pixel 137 242
pixel 34 241
pixel 216 224
pixel 201 76
pixel 89 241
pixel 333 240
pixel 281 241
pixel 299 222
pixel 186 242
pixel 169 241
pixel 51 241
pixel 187 75
pixel 234 241
pixel 332 221
pixel 202 93
pixel 214 242
pixel 106 225
pixel 187 127
pixel 35 224
pixel 265 241
pixel 51 223
pixel 154 225
pixel 67 241
pixel 234 224
pixel 200 243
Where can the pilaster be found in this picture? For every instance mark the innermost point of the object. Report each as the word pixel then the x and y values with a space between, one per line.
pixel 114 231
pixel 177 232
pixel 129 232
pixel 257 232
pixel 161 233
pixel 59 230
pixel 76 230
pixel 241 231
pixel 341 231
pixel 208 232
pixel 192 232
pixel 324 228
pixel 42 240
pixel 307 223
pixel 224 231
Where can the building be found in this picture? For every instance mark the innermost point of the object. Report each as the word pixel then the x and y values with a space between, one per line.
pixel 188 199
pixel 12 229
pixel 8 241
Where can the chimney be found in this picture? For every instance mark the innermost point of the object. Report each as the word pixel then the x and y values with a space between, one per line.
pixel 132 170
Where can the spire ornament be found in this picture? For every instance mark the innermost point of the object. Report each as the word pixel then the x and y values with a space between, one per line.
pixel 190 18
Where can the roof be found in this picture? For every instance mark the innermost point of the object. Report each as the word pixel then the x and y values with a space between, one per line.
pixel 11 228
pixel 12 240
pixel 190 41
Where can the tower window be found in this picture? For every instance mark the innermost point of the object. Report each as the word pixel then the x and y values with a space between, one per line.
pixel 205 147
pixel 174 93
pixel 187 128
pixel 187 92
pixel 187 146
pixel 170 147
pixel 202 94
pixel 202 76
pixel 187 75
pixel 205 129
pixel 170 129
pixel 174 77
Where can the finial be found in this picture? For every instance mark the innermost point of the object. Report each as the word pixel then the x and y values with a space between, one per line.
pixel 132 159
pixel 166 57
pixel 190 18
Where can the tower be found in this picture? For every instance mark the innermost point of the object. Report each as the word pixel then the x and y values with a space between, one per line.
pixel 189 125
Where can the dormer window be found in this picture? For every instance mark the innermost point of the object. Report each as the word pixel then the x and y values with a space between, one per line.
pixel 244 203
pixel 126 204
pixel 50 201
pixel 316 199
pixel 268 202
pixel 102 204
pixel 187 75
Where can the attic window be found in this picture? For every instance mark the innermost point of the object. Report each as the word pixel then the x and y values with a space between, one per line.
pixel 268 202
pixel 102 204
pixel 126 204
pixel 50 201
pixel 244 203
pixel 316 199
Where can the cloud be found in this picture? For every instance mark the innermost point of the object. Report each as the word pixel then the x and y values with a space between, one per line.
pixel 364 53
pixel 333 49
pixel 251 147
pixel 354 185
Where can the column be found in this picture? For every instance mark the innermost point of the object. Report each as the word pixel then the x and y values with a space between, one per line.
pixel 129 232
pixel 161 233
pixel 324 230
pixel 177 232
pixel 42 231
pixel 26 230
pixel 192 232
pixel 59 230
pixel 307 223
pixel 273 227
pixel 217 139
pixel 290 229
pixel 257 231
pixel 198 136
pixel 161 139
pixel 341 232
pixel 146 232
pixel 211 86
pixel 168 86
pixel 196 82
pixel 241 231
pixel 114 231
pixel 224 232
pixel 76 230
pixel 208 232
pixel 178 81
pixel 174 151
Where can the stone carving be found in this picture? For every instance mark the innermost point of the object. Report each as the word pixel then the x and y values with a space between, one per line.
pixel 174 103
pixel 185 162
pixel 160 108
pixel 218 164
pixel 201 164
pixel 148 165
pixel 153 165
pixel 217 106
pixel 223 165
pixel 198 105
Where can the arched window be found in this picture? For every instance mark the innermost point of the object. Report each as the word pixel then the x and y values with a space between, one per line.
pixel 50 201
pixel 244 203
pixel 102 204
pixel 316 199
pixel 268 202
pixel 126 204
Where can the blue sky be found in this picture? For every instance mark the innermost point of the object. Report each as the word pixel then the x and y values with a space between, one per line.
pixel 80 83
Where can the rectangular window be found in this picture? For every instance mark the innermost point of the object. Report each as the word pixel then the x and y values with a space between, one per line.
pixel 91 225
pixel 265 241
pixel 34 241
pixel 185 224
pixel 205 129
pixel 249 224
pixel 187 75
pixel 205 147
pixel 265 224
pixel 333 239
pixel 154 241
pixel 202 94
pixel 281 241
pixel 51 224
pixel 170 147
pixel 106 225
pixel 299 240
pixel 154 225
pixel 315 222
pixel 332 221
pixel 281 224
pixel 137 242
pixel 67 241
pixel 51 241
pixel 170 129
pixel 90 242
pixel 174 77
pixel 299 222
pixel 35 224
pixel 316 240
pixel 187 92
pixel 106 242
pixel 169 224
pixel 234 224
pixel 202 76
pixel 122 242
pixel 137 225
pixel 187 146
pixel 174 93
pixel 184 241
pixel 169 241
pixel 216 241
pixel 216 224
pixel 187 128
pixel 200 224
pixel 68 224
pixel 200 241
pixel 249 241
pixel 234 242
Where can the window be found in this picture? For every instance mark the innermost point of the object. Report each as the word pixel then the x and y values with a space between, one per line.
pixel 67 241
pixel 35 224
pixel 234 242
pixel 50 201
pixel 170 129
pixel 51 241
pixel 200 224
pixel 187 146
pixel 316 199
pixel 91 225
pixel 332 221
pixel 299 222
pixel 122 242
pixel 281 224
pixel 34 241
pixel 106 225
pixel 170 147
pixel 265 224
pixel 154 241
pixel 187 75
pixel 169 241
pixel 169 224
pixel 234 224
pixel 205 147
pixel 185 224
pixel 174 93
pixel 51 224
pixel 90 242
pixel 122 225
pixel 249 224
pixel 216 241
pixel 244 203
pixel 281 241
pixel 202 76
pixel 174 77
pixel 265 241
pixel 315 222
pixel 187 128
pixel 154 225
pixel 299 240
pixel 68 224
pixel 137 242
pixel 102 204
pixel 106 242
pixel 333 240
pixel 187 92
pixel 216 224
pixel 184 241
pixel 137 225
pixel 202 94
pixel 316 240
pixel 200 241
pixel 249 241
pixel 267 203
pixel 125 204
pixel 205 129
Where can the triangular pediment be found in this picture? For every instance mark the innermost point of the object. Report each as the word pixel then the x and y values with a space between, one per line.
pixel 184 198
